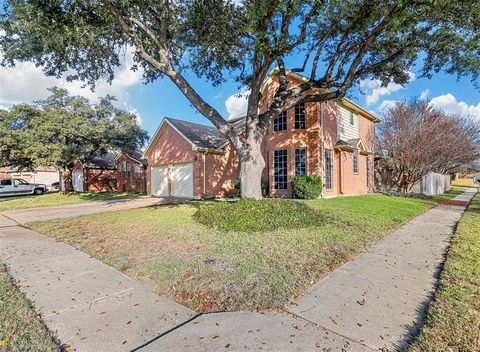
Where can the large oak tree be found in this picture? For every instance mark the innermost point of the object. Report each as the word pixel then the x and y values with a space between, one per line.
pixel 334 43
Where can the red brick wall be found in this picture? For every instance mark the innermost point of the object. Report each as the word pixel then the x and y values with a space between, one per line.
pixel 101 180
pixel 221 171
pixel 131 183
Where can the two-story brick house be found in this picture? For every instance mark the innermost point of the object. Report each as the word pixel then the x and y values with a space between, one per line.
pixel 333 140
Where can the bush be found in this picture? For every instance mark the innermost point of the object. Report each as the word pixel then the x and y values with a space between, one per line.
pixel 393 193
pixel 249 215
pixel 263 186
pixel 307 187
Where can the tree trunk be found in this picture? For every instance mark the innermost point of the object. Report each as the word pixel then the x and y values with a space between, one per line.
pixel 251 168
pixel 67 180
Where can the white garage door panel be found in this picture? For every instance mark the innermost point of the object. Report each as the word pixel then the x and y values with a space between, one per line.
pixel 182 180
pixel 160 181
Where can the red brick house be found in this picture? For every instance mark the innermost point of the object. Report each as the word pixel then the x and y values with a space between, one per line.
pixel 333 139
pixel 131 172
pixel 97 174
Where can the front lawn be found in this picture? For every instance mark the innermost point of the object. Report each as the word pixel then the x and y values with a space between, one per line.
pixel 453 322
pixel 52 199
pixel 20 327
pixel 454 191
pixel 213 266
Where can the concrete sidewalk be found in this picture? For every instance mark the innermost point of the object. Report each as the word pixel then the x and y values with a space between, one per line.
pixel 24 216
pixel 88 305
pixel 374 302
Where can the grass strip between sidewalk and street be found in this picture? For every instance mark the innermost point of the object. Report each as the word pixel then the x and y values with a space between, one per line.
pixel 21 329
pixel 453 320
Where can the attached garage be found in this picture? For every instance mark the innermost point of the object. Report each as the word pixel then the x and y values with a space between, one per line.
pixel 184 158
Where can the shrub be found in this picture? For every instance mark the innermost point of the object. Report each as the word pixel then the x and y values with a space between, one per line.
pixel 263 186
pixel 307 187
pixel 249 215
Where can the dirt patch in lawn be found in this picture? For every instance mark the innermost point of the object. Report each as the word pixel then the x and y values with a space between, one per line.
pixel 209 269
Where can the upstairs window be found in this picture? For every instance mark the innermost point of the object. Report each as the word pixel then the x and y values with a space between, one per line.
pixel 355 162
pixel 352 118
pixel 280 169
pixel 301 162
pixel 280 122
pixel 300 118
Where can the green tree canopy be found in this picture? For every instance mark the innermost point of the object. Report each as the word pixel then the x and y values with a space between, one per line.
pixel 64 129
pixel 334 43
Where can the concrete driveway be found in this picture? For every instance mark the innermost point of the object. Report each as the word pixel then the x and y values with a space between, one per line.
pixel 24 216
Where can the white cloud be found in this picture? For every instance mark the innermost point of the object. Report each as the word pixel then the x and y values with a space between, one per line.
pixel 237 104
pixel 386 104
pixel 25 83
pixel 449 104
pixel 377 90
pixel 424 95
pixel 134 111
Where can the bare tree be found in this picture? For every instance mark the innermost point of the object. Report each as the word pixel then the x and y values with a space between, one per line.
pixel 419 139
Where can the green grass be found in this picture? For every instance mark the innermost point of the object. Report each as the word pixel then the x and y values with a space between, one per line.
pixel 454 191
pixel 210 269
pixel 53 199
pixel 453 321
pixel 251 215
pixel 20 327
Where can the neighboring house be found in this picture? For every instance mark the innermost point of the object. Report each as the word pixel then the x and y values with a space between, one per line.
pixel 44 175
pixel 333 140
pixel 131 172
pixel 465 179
pixel 97 174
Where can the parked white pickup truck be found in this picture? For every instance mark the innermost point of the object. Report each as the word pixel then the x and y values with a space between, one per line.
pixel 18 186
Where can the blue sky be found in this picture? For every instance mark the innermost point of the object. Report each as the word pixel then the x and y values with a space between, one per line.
pixel 25 83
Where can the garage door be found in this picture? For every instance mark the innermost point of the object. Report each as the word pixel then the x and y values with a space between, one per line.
pixel 160 181
pixel 182 180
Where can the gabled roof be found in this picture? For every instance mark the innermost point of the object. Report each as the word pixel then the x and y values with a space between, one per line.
pixel 101 161
pixel 198 135
pixel 137 155
pixel 201 136
pixel 352 144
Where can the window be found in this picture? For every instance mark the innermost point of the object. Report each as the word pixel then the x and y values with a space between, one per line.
pixel 367 171
pixel 300 119
pixel 7 182
pixel 355 162
pixel 300 162
pixel 129 169
pixel 280 169
pixel 280 122
pixel 124 168
pixel 20 181
pixel 136 171
pixel 328 169
pixel 352 118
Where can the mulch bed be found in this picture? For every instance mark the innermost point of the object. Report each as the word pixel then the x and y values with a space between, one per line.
pixel 460 203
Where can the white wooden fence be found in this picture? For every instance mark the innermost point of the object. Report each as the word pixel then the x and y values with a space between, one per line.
pixel 432 184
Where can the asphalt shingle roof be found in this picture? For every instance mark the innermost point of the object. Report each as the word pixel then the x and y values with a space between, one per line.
pixel 201 136
pixel 102 161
